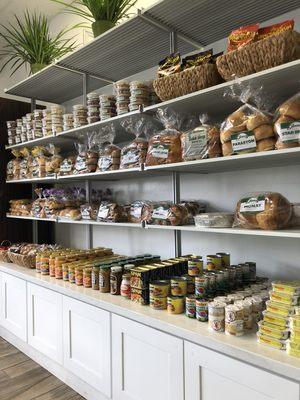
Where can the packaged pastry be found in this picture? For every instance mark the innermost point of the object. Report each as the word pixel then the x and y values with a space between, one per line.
pixel 53 202
pixel 263 210
pixel 38 164
pixel 164 213
pixel 134 154
pixel 57 119
pixel 271 341
pixel 70 213
pixel 275 29
pixel 21 207
pixel 214 220
pixel 136 211
pixel 193 208
pixel 276 319
pixel 109 154
pixel 107 106
pixel 93 107
pixel 287 123
pixel 139 95
pixel 79 115
pixel 122 92
pixel 53 161
pixel 274 332
pixel 282 309
pixel 290 287
pixel 89 211
pixel 169 65
pixel 10 170
pixel 37 209
pixel 25 163
pixel 67 166
pixel 87 158
pixel 242 36
pixel 165 146
pixel 111 212
pixel 197 59
pixel 201 142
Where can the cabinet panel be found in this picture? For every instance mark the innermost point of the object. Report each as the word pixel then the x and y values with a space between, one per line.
pixel 87 343
pixel 210 376
pixel 147 364
pixel 13 313
pixel 45 321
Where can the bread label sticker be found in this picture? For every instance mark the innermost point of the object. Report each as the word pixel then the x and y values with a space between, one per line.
pixel 80 164
pixel 66 166
pixel 289 132
pixel 104 162
pixel 160 213
pixel 160 151
pixel 136 212
pixel 196 142
pixel 243 141
pixel 253 205
pixel 85 214
pixel 131 157
pixel 103 212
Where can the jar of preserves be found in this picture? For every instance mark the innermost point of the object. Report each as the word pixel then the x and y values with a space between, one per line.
pixel 58 272
pixel 125 286
pixel 115 280
pixel 72 273
pixel 65 271
pixel 95 278
pixel 104 279
pixel 87 277
pixel 79 276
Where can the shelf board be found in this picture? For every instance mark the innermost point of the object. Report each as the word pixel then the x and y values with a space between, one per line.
pixel 97 223
pixel 288 233
pixel 33 180
pixel 31 218
pixel 106 175
pixel 143 40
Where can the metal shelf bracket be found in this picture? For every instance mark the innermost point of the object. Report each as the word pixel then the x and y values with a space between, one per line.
pixel 176 200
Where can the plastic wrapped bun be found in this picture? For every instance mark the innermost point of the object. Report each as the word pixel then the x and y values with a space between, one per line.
pixel 165 213
pixel 165 146
pixel 263 210
pixel 287 123
pixel 201 142
pixel 109 154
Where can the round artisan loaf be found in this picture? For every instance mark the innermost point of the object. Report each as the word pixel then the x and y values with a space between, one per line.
pixel 282 119
pixel 256 120
pixel 266 144
pixel 238 117
pixel 277 213
pixel 263 132
pixel 291 108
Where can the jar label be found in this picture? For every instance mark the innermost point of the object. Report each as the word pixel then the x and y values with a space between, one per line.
pixel 242 141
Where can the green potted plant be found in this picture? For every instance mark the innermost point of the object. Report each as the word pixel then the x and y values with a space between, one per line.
pixel 103 14
pixel 28 41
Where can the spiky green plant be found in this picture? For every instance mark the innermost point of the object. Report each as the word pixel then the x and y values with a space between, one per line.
pixel 98 10
pixel 28 41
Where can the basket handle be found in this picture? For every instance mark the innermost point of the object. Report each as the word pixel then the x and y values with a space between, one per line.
pixel 5 243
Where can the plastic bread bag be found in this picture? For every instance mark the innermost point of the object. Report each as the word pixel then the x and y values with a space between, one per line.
pixel 263 210
pixel 135 211
pixel 249 128
pixel 165 146
pixel 89 211
pixel 38 164
pixel 111 212
pixel 134 154
pixel 164 213
pixel 287 123
pixel 70 214
pixel 15 163
pixel 87 156
pixel 53 161
pixel 37 209
pixel 193 207
pixel 25 163
pixel 53 202
pixel 67 165
pixel 109 154
pixel 202 141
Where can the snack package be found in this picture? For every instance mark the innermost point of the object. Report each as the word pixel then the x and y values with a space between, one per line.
pixel 263 210
pixel 165 146
pixel 67 166
pixel 38 164
pixel 70 213
pixel 201 142
pixel 10 170
pixel 25 163
pixel 53 202
pixel 242 36
pixel 53 161
pixel 134 154
pixel 275 29
pixel 89 211
pixel 21 207
pixel 135 211
pixel 111 212
pixel 164 213
pixel 195 60
pixel 37 209
pixel 109 154
pixel 248 129
pixel 287 123
pixel 14 164
pixel 87 158
pixel 169 65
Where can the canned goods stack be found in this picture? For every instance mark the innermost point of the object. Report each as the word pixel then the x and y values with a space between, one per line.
pixel 11 132
pixel 37 132
pixel 216 316
pixel 79 115
pixel 280 326
pixel 159 292
pixel 93 107
pixel 68 121
pixel 176 302
pixel 107 107
pixel 234 320
pixel 139 95
pixel 57 119
pixel 47 123
pixel 122 92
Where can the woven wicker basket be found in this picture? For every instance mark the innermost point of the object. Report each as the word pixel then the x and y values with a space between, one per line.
pixel 187 81
pixel 255 57
pixel 23 261
pixel 4 256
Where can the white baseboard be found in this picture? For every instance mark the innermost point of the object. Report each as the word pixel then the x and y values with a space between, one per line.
pixel 54 368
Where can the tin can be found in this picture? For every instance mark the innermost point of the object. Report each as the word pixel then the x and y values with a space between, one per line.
pixel 175 304
pixel 195 266
pixel 252 270
pixel 178 286
pixel 190 284
pixel 235 328
pixel 190 306
pixel 238 275
pixel 245 273
pixel 159 288
pixel 212 279
pixel 213 262
pixel 220 279
pixel 216 316
pixel 158 303
pixel 233 313
pixel 231 277
pixel 201 285
pixel 225 259
pixel 202 310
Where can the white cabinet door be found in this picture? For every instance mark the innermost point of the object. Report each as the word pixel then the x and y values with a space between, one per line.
pixel 211 376
pixel 87 343
pixel 13 312
pixel 147 364
pixel 45 321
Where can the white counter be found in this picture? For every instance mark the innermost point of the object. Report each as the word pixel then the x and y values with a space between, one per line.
pixel 243 348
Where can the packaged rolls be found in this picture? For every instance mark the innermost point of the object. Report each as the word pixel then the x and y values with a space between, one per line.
pixel 287 123
pixel 264 210
pixel 109 154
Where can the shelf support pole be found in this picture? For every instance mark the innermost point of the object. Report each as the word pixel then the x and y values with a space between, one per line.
pixel 35 231
pixel 89 228
pixel 173 42
pixel 85 83
pixel 176 200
